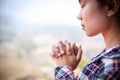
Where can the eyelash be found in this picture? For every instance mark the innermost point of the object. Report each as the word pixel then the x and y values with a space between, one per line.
pixel 82 6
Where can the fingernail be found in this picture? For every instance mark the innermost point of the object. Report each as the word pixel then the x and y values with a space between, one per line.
pixel 80 46
pixel 59 54
pixel 62 51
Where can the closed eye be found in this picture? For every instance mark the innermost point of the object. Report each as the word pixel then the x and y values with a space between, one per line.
pixel 82 5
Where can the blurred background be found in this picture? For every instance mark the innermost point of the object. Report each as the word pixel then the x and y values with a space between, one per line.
pixel 28 29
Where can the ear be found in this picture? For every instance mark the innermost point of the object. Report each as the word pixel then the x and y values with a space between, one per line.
pixel 113 7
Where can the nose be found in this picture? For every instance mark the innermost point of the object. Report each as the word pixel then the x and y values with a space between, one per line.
pixel 79 17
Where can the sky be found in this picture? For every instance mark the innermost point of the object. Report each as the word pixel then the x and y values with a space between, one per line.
pixel 34 15
pixel 42 11
pixel 27 13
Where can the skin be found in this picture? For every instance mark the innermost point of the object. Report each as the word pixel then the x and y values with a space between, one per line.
pixel 94 20
pixel 65 54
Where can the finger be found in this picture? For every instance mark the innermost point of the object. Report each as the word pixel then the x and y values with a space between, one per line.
pixel 69 50
pixel 62 47
pixel 52 55
pixel 79 54
pixel 55 51
pixel 65 42
pixel 75 49
pixel 72 47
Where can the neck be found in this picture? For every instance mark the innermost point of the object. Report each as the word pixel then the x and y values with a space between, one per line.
pixel 111 37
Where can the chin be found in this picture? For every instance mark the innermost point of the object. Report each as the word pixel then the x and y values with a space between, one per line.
pixel 91 35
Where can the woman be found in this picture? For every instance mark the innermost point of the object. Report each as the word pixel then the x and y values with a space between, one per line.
pixel 97 16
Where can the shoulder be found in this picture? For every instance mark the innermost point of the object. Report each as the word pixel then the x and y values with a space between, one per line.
pixel 111 59
pixel 111 64
pixel 113 53
pixel 110 70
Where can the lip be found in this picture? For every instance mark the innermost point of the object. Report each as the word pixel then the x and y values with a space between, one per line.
pixel 83 26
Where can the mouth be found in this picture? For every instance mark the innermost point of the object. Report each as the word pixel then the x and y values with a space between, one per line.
pixel 83 26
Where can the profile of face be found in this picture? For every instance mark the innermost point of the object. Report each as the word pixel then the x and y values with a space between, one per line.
pixel 93 17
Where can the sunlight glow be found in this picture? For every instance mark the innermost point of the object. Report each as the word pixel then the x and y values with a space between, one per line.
pixel 43 11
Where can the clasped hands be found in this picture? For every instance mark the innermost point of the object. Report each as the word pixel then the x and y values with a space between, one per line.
pixel 66 54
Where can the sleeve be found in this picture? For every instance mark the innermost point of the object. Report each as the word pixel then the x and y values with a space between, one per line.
pixel 64 73
pixel 110 71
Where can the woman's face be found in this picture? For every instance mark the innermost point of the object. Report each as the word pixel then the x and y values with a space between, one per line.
pixel 93 17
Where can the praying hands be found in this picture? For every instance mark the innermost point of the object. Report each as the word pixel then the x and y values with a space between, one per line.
pixel 66 54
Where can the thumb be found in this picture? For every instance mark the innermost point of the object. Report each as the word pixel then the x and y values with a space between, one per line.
pixel 79 55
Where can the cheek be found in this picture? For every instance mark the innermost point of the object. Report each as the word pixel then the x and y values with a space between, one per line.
pixel 95 24
pixel 85 16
